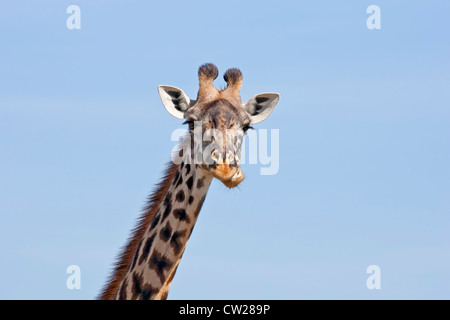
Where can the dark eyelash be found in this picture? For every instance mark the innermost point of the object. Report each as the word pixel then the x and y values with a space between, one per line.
pixel 190 123
pixel 245 128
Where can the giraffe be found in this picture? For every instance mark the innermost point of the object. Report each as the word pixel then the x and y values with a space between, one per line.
pixel 147 264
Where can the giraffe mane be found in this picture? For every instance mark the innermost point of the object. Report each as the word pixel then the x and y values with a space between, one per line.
pixel 127 252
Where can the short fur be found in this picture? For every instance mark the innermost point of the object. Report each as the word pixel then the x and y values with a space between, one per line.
pixel 208 71
pixel 232 76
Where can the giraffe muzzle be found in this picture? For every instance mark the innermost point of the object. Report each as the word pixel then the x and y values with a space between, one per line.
pixel 230 176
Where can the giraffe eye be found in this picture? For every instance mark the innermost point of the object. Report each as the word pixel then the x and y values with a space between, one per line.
pixel 246 127
pixel 190 123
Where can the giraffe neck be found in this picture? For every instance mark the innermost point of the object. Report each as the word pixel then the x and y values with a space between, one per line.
pixel 159 251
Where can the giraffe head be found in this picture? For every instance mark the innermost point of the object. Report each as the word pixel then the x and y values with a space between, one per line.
pixel 219 119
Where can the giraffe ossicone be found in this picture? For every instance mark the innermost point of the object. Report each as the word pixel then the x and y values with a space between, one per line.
pixel 147 264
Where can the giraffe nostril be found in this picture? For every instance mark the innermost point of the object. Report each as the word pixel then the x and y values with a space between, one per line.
pixel 216 156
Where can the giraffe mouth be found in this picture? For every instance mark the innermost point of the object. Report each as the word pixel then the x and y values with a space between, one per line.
pixel 235 180
pixel 230 177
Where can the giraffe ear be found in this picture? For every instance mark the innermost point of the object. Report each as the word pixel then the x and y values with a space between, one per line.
pixel 175 100
pixel 259 107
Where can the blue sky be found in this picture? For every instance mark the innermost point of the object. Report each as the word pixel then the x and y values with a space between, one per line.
pixel 363 118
